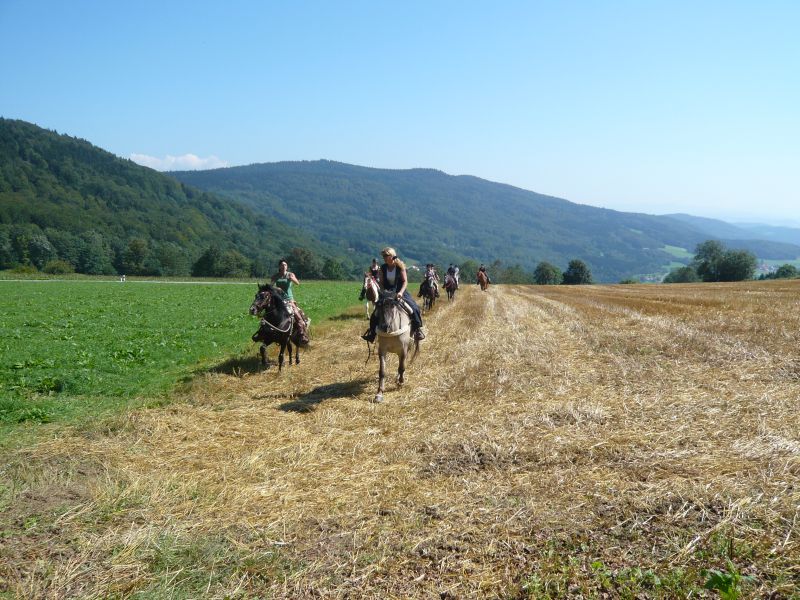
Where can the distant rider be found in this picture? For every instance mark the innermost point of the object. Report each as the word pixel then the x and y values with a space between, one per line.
pixel 431 280
pixel 374 271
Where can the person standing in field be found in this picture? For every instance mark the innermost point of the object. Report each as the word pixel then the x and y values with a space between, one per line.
pixel 392 276
pixel 284 279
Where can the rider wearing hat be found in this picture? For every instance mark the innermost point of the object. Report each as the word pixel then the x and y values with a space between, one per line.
pixel 393 277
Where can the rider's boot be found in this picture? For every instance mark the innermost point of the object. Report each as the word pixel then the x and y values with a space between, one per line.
pixel 369 336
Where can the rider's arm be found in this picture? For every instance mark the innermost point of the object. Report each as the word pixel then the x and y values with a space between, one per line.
pixel 293 278
pixel 402 274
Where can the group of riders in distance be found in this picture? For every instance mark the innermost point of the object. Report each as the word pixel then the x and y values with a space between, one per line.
pixel 386 286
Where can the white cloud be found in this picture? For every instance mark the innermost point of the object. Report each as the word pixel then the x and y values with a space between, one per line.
pixel 186 162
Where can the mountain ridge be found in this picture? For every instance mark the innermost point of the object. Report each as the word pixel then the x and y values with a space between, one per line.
pixel 474 218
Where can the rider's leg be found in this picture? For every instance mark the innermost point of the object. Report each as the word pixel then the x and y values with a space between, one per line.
pixel 373 324
pixel 416 317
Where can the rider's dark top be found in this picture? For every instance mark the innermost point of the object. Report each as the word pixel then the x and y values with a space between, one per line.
pixel 398 283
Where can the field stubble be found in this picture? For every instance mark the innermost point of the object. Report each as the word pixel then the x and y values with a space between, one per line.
pixel 551 441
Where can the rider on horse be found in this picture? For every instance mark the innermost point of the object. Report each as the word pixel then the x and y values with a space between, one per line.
pixel 452 270
pixel 431 280
pixel 483 269
pixel 392 276
pixel 284 280
pixel 374 270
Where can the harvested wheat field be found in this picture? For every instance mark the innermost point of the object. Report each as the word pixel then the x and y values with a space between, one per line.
pixel 594 441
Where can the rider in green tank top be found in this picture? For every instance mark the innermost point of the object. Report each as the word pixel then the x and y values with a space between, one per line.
pixel 284 280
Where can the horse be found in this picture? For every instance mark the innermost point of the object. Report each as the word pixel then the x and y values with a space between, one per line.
pixel 428 293
pixel 483 280
pixel 369 291
pixel 450 286
pixel 394 335
pixel 277 325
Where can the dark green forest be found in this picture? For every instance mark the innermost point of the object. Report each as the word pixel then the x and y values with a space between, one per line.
pixel 430 216
pixel 68 205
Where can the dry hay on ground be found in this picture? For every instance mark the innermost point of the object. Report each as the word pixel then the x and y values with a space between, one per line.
pixel 560 441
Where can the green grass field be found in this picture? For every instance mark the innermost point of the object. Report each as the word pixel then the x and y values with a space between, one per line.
pixel 76 348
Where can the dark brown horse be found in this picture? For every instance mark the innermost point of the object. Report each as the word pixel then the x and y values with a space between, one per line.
pixel 277 324
pixel 428 293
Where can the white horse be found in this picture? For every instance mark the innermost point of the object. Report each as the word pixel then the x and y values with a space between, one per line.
pixel 394 335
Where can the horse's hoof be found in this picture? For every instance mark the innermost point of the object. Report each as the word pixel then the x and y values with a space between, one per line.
pixel 378 399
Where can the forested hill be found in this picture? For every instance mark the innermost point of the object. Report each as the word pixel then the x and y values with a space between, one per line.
pixel 61 198
pixel 431 216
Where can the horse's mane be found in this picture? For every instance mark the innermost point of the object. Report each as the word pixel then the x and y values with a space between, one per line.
pixel 275 291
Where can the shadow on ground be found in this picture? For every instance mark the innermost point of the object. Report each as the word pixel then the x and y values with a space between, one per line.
pixel 350 316
pixel 238 366
pixel 309 401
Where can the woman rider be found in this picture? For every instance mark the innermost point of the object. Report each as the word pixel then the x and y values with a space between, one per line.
pixel 284 280
pixel 393 277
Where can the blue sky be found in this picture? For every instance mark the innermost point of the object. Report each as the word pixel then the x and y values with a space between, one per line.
pixel 641 106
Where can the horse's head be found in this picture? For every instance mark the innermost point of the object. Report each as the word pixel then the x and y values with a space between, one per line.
pixel 263 299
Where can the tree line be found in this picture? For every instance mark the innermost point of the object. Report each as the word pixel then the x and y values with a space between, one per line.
pixel 714 262
pixel 29 248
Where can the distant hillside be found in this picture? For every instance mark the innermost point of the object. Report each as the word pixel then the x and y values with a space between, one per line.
pixel 63 198
pixel 432 216
pixel 766 241
pixel 788 235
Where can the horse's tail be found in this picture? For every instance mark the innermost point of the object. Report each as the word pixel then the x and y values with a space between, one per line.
pixel 416 351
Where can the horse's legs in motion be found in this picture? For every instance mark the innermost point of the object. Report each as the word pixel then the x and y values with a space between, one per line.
pixel 381 375
pixel 289 347
pixel 296 355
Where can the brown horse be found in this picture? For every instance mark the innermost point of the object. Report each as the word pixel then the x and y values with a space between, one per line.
pixel 428 293
pixel 450 286
pixel 394 335
pixel 369 291
pixel 483 280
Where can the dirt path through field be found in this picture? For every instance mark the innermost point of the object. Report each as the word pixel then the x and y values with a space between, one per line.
pixel 542 432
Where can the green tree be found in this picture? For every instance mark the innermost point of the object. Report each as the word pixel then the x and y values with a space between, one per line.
pixel 516 274
pixel 208 263
pixel 684 274
pixel 707 257
pixel 233 264
pixel 333 269
pixel 468 269
pixel 304 263
pixel 577 273
pixel 736 265
pixel 6 251
pixel 786 271
pixel 96 253
pixel 134 256
pixel 547 274
pixel 58 267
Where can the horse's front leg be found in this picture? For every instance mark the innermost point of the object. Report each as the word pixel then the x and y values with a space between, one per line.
pixel 263 352
pixel 381 376
pixel 280 356
pixel 297 355
pixel 290 347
